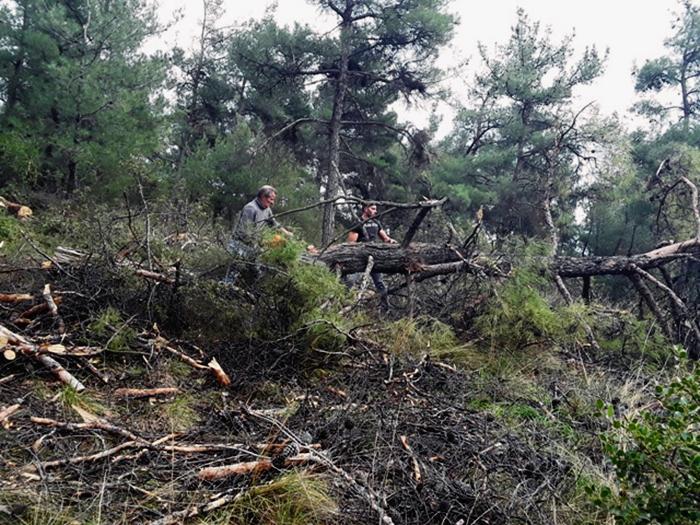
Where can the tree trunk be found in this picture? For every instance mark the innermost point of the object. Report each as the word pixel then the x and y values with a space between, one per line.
pixel 424 257
pixel 332 169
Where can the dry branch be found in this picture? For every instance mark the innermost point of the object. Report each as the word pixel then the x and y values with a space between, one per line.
pixel 93 425
pixel 221 377
pixel 144 392
pixel 416 466
pixel 45 465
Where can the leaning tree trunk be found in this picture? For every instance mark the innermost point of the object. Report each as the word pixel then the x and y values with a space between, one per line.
pixel 333 170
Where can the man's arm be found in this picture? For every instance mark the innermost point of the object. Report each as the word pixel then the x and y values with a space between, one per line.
pixel 352 237
pixel 384 237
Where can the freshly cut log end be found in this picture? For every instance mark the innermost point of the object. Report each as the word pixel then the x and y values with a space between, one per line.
pixel 221 377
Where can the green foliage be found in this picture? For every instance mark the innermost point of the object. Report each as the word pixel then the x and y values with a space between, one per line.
pixel 296 498
pixel 507 150
pixel 211 310
pixel 10 232
pixel 181 413
pixel 109 325
pixel 19 158
pixel 304 296
pixel 70 398
pixel 79 96
pixel 680 70
pixel 518 314
pixel 418 337
pixel 656 455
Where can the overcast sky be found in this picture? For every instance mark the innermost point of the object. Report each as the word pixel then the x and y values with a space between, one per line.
pixel 633 30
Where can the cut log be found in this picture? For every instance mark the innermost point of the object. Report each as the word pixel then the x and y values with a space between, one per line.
pixel 15 297
pixel 388 258
pixel 19 210
pixel 31 350
pixel 248 467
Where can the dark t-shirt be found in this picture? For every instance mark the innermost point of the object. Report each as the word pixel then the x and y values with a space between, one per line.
pixel 369 231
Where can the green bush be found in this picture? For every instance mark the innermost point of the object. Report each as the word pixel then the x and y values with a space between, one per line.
pixel 518 315
pixel 419 336
pixel 656 456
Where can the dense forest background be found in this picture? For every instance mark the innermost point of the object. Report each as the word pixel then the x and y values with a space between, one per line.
pixel 132 161
pixel 85 113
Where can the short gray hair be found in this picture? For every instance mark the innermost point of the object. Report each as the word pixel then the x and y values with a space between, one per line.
pixel 266 191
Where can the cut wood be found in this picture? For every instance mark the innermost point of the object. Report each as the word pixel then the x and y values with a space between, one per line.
pixel 37 309
pixel 31 350
pixel 15 297
pixel 154 276
pixel 248 467
pixel 9 354
pixel 19 210
pixel 144 392
pixel 416 466
pixel 5 413
pixel 53 309
pixel 221 377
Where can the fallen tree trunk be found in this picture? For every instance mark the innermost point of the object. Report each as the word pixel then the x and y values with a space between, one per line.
pixel 620 264
pixel 435 259
pixel 388 258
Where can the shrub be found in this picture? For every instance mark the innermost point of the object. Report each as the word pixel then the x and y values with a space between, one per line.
pixel 656 456
pixel 518 315
pixel 293 499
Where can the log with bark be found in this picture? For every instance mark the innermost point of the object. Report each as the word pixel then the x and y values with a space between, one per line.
pixel 436 259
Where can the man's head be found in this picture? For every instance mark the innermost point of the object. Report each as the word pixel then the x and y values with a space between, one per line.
pixel 267 196
pixel 369 211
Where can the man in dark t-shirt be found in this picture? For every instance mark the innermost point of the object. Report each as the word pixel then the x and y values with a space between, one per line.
pixel 369 231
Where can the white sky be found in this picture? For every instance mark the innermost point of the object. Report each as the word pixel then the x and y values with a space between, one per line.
pixel 633 30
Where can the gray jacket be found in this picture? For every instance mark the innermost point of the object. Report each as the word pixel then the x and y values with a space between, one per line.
pixel 253 218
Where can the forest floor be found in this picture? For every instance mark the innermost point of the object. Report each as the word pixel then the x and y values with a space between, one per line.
pixel 380 427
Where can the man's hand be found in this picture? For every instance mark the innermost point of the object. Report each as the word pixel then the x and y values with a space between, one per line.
pixel 384 237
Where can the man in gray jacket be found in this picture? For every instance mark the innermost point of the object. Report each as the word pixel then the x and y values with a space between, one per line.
pixel 258 214
pixel 255 216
